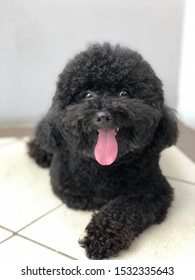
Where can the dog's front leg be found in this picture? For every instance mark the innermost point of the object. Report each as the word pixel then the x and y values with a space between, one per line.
pixel 120 221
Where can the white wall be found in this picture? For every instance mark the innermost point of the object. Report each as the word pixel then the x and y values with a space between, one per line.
pixel 38 36
pixel 186 104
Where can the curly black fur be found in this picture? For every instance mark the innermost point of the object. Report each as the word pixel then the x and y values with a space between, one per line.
pixel 41 157
pixel 106 88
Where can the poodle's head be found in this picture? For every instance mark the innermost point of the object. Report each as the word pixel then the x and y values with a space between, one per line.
pixel 109 104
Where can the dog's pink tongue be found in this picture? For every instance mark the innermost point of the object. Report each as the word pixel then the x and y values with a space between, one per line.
pixel 106 148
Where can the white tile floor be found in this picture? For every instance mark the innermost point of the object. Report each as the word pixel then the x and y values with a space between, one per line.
pixel 34 222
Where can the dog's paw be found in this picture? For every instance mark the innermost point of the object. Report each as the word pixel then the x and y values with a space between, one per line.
pixel 41 157
pixel 105 237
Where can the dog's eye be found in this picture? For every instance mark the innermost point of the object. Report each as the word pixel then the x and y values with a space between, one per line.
pixel 123 93
pixel 89 95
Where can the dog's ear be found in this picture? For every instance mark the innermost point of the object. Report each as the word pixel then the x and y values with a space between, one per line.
pixel 166 132
pixel 48 136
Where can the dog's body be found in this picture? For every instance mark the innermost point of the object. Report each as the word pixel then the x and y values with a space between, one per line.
pixel 102 136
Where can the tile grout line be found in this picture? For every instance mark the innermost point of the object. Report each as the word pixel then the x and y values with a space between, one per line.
pixel 35 242
pixel 180 180
pixel 6 239
pixel 39 218
pixel 10 231
pixel 15 233
pixel 45 246
pixel 2 227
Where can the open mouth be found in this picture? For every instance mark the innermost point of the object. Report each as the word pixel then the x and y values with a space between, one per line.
pixel 106 148
pixel 116 129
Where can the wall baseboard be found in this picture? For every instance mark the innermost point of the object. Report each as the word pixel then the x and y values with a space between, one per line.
pixel 186 140
pixel 16 131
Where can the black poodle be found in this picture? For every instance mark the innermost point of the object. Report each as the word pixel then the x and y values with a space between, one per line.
pixel 102 138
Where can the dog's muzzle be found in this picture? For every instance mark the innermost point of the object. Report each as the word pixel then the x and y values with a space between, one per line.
pixel 106 148
pixel 103 119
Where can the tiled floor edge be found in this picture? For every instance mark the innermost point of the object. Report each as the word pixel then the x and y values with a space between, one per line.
pixel 9 143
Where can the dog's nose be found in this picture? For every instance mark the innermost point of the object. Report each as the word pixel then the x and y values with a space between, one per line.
pixel 103 118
